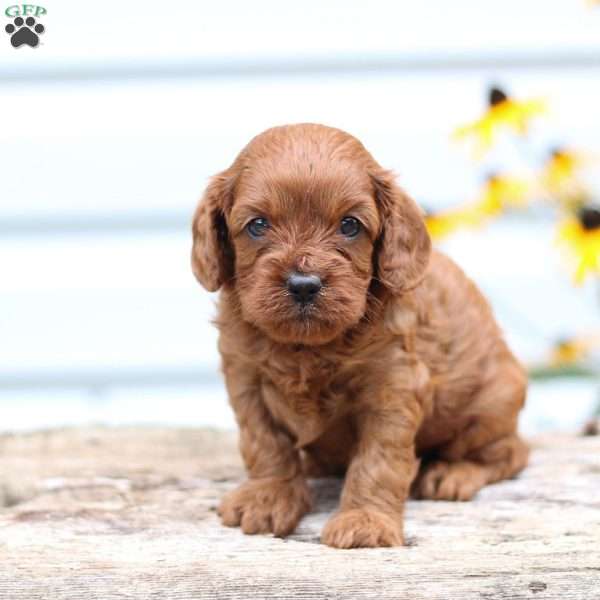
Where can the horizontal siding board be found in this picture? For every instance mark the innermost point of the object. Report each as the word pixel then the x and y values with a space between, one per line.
pixel 233 29
pixel 129 300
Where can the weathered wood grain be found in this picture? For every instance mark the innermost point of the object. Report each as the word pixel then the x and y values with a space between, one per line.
pixel 124 513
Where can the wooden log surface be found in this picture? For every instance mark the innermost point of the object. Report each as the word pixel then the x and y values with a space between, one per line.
pixel 130 513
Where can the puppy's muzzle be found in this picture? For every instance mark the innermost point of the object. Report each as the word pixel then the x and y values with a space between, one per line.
pixel 303 288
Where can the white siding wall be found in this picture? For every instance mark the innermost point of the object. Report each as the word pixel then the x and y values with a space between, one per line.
pixel 109 132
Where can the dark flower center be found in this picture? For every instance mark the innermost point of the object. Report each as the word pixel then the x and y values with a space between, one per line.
pixel 497 96
pixel 589 218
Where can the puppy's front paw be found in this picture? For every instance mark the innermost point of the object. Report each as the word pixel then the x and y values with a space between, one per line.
pixel 362 528
pixel 266 505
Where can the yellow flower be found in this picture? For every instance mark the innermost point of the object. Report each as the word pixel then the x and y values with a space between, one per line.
pixel 499 192
pixel 502 112
pixel 442 224
pixel 560 177
pixel 570 351
pixel 582 237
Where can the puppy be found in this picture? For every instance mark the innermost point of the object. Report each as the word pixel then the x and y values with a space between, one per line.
pixel 348 345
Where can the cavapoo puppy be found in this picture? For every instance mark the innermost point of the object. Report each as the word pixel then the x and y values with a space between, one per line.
pixel 348 345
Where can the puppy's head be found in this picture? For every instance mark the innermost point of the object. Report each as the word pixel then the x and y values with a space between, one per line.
pixel 301 225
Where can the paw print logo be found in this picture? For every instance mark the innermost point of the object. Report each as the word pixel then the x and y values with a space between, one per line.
pixel 24 32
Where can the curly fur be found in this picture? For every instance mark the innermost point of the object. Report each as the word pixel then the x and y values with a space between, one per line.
pixel 397 375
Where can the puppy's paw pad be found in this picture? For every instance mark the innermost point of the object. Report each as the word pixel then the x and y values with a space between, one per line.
pixel 449 481
pixel 266 505
pixel 362 528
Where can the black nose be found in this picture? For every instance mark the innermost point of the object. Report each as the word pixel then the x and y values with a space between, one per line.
pixel 303 288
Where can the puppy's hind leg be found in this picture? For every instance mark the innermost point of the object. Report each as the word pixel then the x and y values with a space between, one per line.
pixel 462 479
pixel 487 450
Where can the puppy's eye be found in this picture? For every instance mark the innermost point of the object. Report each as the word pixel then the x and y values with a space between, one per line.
pixel 257 227
pixel 350 227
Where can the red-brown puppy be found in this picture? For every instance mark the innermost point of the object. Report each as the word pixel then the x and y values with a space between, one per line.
pixel 347 344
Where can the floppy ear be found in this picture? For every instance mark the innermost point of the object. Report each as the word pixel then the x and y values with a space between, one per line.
pixel 212 253
pixel 404 244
